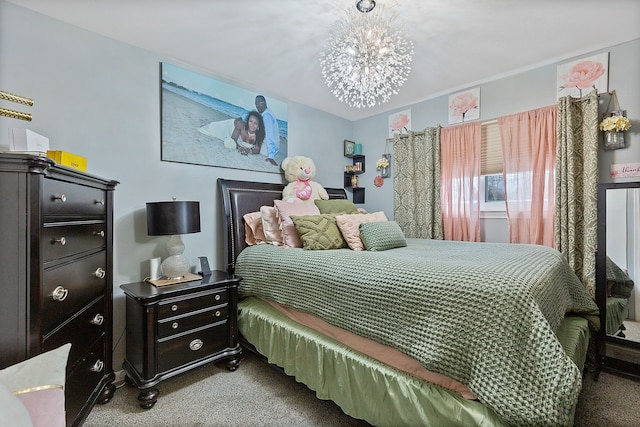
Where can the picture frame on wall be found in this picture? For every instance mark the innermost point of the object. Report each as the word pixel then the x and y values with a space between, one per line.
pixel 212 123
pixel 582 76
pixel 464 106
pixel 349 148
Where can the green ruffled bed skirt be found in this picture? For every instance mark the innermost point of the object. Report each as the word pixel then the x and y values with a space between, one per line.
pixel 363 387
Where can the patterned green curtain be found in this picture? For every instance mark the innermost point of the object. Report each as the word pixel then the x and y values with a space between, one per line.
pixel 577 185
pixel 416 183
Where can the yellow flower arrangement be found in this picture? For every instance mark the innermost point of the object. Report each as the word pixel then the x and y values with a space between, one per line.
pixel 615 124
pixel 382 163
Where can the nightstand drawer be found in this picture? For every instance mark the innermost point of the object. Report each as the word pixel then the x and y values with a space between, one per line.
pixel 178 325
pixel 62 241
pixel 81 332
pixel 71 200
pixel 198 301
pixel 69 287
pixel 182 350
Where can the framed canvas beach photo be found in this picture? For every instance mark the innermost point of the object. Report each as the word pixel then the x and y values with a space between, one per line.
pixel 209 122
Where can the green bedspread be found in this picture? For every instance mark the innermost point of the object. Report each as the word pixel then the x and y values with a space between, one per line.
pixel 481 313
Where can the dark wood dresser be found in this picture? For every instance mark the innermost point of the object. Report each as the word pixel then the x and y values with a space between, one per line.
pixel 172 329
pixel 56 260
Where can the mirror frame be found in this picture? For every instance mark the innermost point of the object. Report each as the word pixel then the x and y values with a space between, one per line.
pixel 601 288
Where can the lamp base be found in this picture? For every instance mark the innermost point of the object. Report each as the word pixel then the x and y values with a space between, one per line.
pixel 176 265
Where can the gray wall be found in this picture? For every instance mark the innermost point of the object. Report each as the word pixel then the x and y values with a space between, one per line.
pixel 100 98
pixel 517 93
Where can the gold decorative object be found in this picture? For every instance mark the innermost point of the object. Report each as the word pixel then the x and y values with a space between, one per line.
pixel 17 99
pixel 15 114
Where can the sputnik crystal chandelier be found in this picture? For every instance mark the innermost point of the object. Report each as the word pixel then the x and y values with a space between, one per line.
pixel 366 60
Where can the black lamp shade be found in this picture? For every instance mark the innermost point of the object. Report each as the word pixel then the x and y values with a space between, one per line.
pixel 171 218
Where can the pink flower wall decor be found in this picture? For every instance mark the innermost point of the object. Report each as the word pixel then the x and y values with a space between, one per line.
pixel 399 122
pixel 464 106
pixel 578 78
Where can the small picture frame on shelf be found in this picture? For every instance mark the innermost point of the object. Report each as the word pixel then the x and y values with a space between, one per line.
pixel 349 148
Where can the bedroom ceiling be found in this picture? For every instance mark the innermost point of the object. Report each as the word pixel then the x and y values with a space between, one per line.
pixel 273 46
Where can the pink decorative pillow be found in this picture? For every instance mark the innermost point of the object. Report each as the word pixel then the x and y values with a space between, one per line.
pixel 271 225
pixel 349 226
pixel 38 384
pixel 290 235
pixel 253 230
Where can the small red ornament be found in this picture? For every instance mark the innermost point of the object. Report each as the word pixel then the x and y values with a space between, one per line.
pixel 378 181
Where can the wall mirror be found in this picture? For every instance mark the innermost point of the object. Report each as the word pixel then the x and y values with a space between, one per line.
pixel 618 275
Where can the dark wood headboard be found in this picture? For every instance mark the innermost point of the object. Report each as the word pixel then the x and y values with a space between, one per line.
pixel 241 197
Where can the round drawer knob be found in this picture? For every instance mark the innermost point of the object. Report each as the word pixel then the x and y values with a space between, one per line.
pixel 174 325
pixel 174 307
pixel 99 202
pixel 99 273
pixel 196 344
pixel 61 240
pixel 97 320
pixel 217 313
pixel 59 293
pixel 98 366
pixel 217 297
pixel 61 197
pixel 98 233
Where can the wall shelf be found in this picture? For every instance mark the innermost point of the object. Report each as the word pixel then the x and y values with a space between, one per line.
pixel 358 164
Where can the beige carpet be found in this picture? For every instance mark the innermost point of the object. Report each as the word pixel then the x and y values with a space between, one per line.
pixel 260 395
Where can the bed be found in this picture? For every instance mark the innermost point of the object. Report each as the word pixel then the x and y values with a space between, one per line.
pixel 522 366
pixel 619 287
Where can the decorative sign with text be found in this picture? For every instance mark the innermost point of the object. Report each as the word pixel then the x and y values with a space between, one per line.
pixel 625 170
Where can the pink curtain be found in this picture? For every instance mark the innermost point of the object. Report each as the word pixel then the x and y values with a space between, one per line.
pixel 460 172
pixel 529 149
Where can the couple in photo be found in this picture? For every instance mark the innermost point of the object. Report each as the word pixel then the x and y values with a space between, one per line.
pixel 258 133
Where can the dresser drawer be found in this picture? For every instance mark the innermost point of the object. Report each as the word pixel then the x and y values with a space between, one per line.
pixel 82 331
pixel 83 380
pixel 181 324
pixel 179 306
pixel 69 287
pixel 64 240
pixel 72 200
pixel 182 350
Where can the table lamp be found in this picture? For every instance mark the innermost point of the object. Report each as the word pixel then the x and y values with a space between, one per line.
pixel 173 218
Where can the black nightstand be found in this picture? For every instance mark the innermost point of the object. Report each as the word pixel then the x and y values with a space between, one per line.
pixel 175 328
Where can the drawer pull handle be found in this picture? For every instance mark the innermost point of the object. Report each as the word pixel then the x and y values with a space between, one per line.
pixel 99 202
pixel 61 240
pixel 217 314
pixel 97 320
pixel 217 297
pixel 62 198
pixel 59 294
pixel 174 307
pixel 196 344
pixel 98 366
pixel 98 233
pixel 99 273
pixel 174 325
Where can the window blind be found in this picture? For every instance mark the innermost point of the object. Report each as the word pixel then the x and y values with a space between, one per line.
pixel 491 149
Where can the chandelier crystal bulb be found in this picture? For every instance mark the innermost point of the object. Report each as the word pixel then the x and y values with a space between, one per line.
pixel 366 60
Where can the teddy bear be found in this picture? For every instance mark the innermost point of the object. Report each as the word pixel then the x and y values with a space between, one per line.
pixel 299 172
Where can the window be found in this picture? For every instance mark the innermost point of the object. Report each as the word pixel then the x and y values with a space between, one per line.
pixel 492 204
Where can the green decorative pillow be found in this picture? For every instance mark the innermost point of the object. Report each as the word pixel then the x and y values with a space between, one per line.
pixel 380 236
pixel 336 206
pixel 318 232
